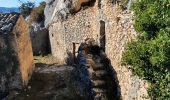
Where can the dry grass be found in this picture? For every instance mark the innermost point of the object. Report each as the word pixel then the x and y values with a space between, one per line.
pixel 48 59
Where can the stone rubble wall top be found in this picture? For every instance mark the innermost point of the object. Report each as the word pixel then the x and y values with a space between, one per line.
pixel 7 22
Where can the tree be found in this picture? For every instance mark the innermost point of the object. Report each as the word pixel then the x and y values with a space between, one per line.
pixel 26 7
pixel 149 55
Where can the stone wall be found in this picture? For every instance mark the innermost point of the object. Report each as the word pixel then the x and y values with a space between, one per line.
pixel 9 72
pixel 104 21
pixel 24 49
pixel 16 58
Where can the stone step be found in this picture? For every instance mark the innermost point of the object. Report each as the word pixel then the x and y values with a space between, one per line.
pixel 89 56
pixel 99 83
pixel 98 66
pixel 100 97
pixel 98 90
pixel 97 59
pixel 101 73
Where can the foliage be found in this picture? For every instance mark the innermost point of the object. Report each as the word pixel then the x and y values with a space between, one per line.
pixel 37 13
pixel 26 7
pixel 149 55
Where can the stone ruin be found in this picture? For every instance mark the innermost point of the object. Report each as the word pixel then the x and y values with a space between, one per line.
pixel 16 58
pixel 70 22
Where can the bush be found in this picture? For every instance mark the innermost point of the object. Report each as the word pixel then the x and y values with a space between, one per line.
pixel 149 55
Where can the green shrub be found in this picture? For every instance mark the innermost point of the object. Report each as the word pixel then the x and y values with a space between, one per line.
pixel 149 55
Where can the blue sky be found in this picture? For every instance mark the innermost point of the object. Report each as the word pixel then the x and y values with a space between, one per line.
pixel 15 3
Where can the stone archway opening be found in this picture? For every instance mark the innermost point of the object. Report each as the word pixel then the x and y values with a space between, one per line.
pixel 102 35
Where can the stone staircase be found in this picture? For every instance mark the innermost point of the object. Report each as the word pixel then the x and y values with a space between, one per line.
pixel 101 79
pixel 99 69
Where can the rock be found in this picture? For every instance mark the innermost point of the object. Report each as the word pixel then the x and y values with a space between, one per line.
pixel 57 10
pixel 53 82
pixel 60 10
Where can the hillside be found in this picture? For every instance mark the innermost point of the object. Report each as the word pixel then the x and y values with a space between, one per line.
pixel 7 10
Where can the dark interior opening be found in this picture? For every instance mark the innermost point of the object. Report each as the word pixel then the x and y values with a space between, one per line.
pixel 74 52
pixel 99 4
pixel 102 35
pixel 90 3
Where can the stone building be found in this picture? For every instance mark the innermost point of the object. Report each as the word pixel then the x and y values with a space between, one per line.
pixel 16 58
pixel 70 22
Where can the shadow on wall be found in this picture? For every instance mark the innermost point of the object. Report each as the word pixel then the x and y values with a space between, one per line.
pixel 97 73
pixel 70 58
pixel 115 83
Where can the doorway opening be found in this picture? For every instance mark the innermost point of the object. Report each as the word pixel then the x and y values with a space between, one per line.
pixel 102 35
pixel 99 4
pixel 75 50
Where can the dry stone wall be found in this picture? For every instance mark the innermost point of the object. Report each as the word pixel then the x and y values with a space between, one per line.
pixel 16 58
pixel 8 65
pixel 104 21
pixel 24 49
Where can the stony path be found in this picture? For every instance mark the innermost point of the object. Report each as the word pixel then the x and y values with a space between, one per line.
pixel 50 82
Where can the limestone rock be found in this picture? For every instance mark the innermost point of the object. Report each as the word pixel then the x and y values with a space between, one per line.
pixel 57 10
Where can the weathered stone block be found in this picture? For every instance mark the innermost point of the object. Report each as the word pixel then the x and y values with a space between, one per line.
pixel 16 58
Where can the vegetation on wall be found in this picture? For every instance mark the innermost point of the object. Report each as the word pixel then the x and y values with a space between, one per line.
pixel 26 7
pixel 149 55
pixel 37 14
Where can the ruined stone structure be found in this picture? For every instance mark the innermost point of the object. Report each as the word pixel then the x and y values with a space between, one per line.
pixel 70 22
pixel 16 58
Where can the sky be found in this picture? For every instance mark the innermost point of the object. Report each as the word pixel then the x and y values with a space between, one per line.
pixel 15 3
